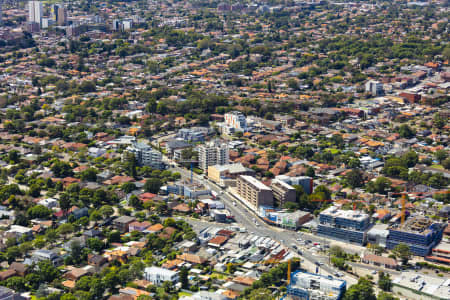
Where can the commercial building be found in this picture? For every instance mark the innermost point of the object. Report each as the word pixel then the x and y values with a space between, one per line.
pixel 213 153
pixel 226 175
pixel 305 182
pixel 282 192
pixel 315 286
pixel 419 233
pixel 291 220
pixel 254 192
pixel 35 12
pixel 236 120
pixel 374 87
pixel 346 225
pixel 146 155
pixel 158 275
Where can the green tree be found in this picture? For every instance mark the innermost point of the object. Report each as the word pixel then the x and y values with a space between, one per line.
pixel 403 252
pixel 152 185
pixel 89 174
pixel 355 178
pixel 114 236
pixel 135 202
pixel 128 187
pixel 184 278
pixel 411 158
pixel 381 185
pixel 95 244
pixel 405 131
pixel 14 156
pixel 66 228
pixel 16 283
pixel 47 271
pixel 39 212
pixel 438 121
pixel 130 164
pixel 363 290
pixel 441 155
pixel 64 201
pixel 34 190
pixel 384 281
pixel 106 211
pixel 12 253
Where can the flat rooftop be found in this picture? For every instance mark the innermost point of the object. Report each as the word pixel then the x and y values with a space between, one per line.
pixel 435 286
pixel 335 212
pixel 255 182
pixel 417 225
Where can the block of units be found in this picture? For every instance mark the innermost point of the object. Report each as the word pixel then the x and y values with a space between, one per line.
pixel 346 225
pixel 254 192
pixel 419 233
pixel 283 192
pixel 315 286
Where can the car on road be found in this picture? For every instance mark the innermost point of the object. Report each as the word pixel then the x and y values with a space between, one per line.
pixel 234 203
pixel 294 246
pixel 374 272
pixel 299 252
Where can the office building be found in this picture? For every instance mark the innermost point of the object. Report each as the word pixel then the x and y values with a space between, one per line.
pixel 236 120
pixel 283 192
pixel 346 225
pixel 35 12
pixel 213 153
pixel 305 285
pixel 374 87
pixel 158 275
pixel 254 192
pixel 419 233
pixel 146 155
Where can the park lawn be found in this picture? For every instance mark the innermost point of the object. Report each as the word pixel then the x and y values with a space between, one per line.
pixel 218 276
pixel 333 151
pixel 183 294
pixel 437 167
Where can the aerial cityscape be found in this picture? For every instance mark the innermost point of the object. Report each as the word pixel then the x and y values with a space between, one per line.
pixel 223 149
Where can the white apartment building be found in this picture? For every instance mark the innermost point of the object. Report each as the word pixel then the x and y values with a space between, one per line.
pixel 35 12
pixel 236 120
pixel 146 155
pixel 213 153
pixel 158 275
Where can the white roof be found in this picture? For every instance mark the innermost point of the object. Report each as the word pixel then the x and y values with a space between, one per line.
pixel 255 182
pixel 159 270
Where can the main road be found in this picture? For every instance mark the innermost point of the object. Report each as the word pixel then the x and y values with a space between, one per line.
pixel 253 224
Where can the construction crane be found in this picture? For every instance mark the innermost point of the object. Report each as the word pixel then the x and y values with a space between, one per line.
pixel 190 161
pixel 403 204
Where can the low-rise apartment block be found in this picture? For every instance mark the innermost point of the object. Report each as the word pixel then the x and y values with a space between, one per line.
pixel 254 192
pixel 282 192
pixel 346 225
